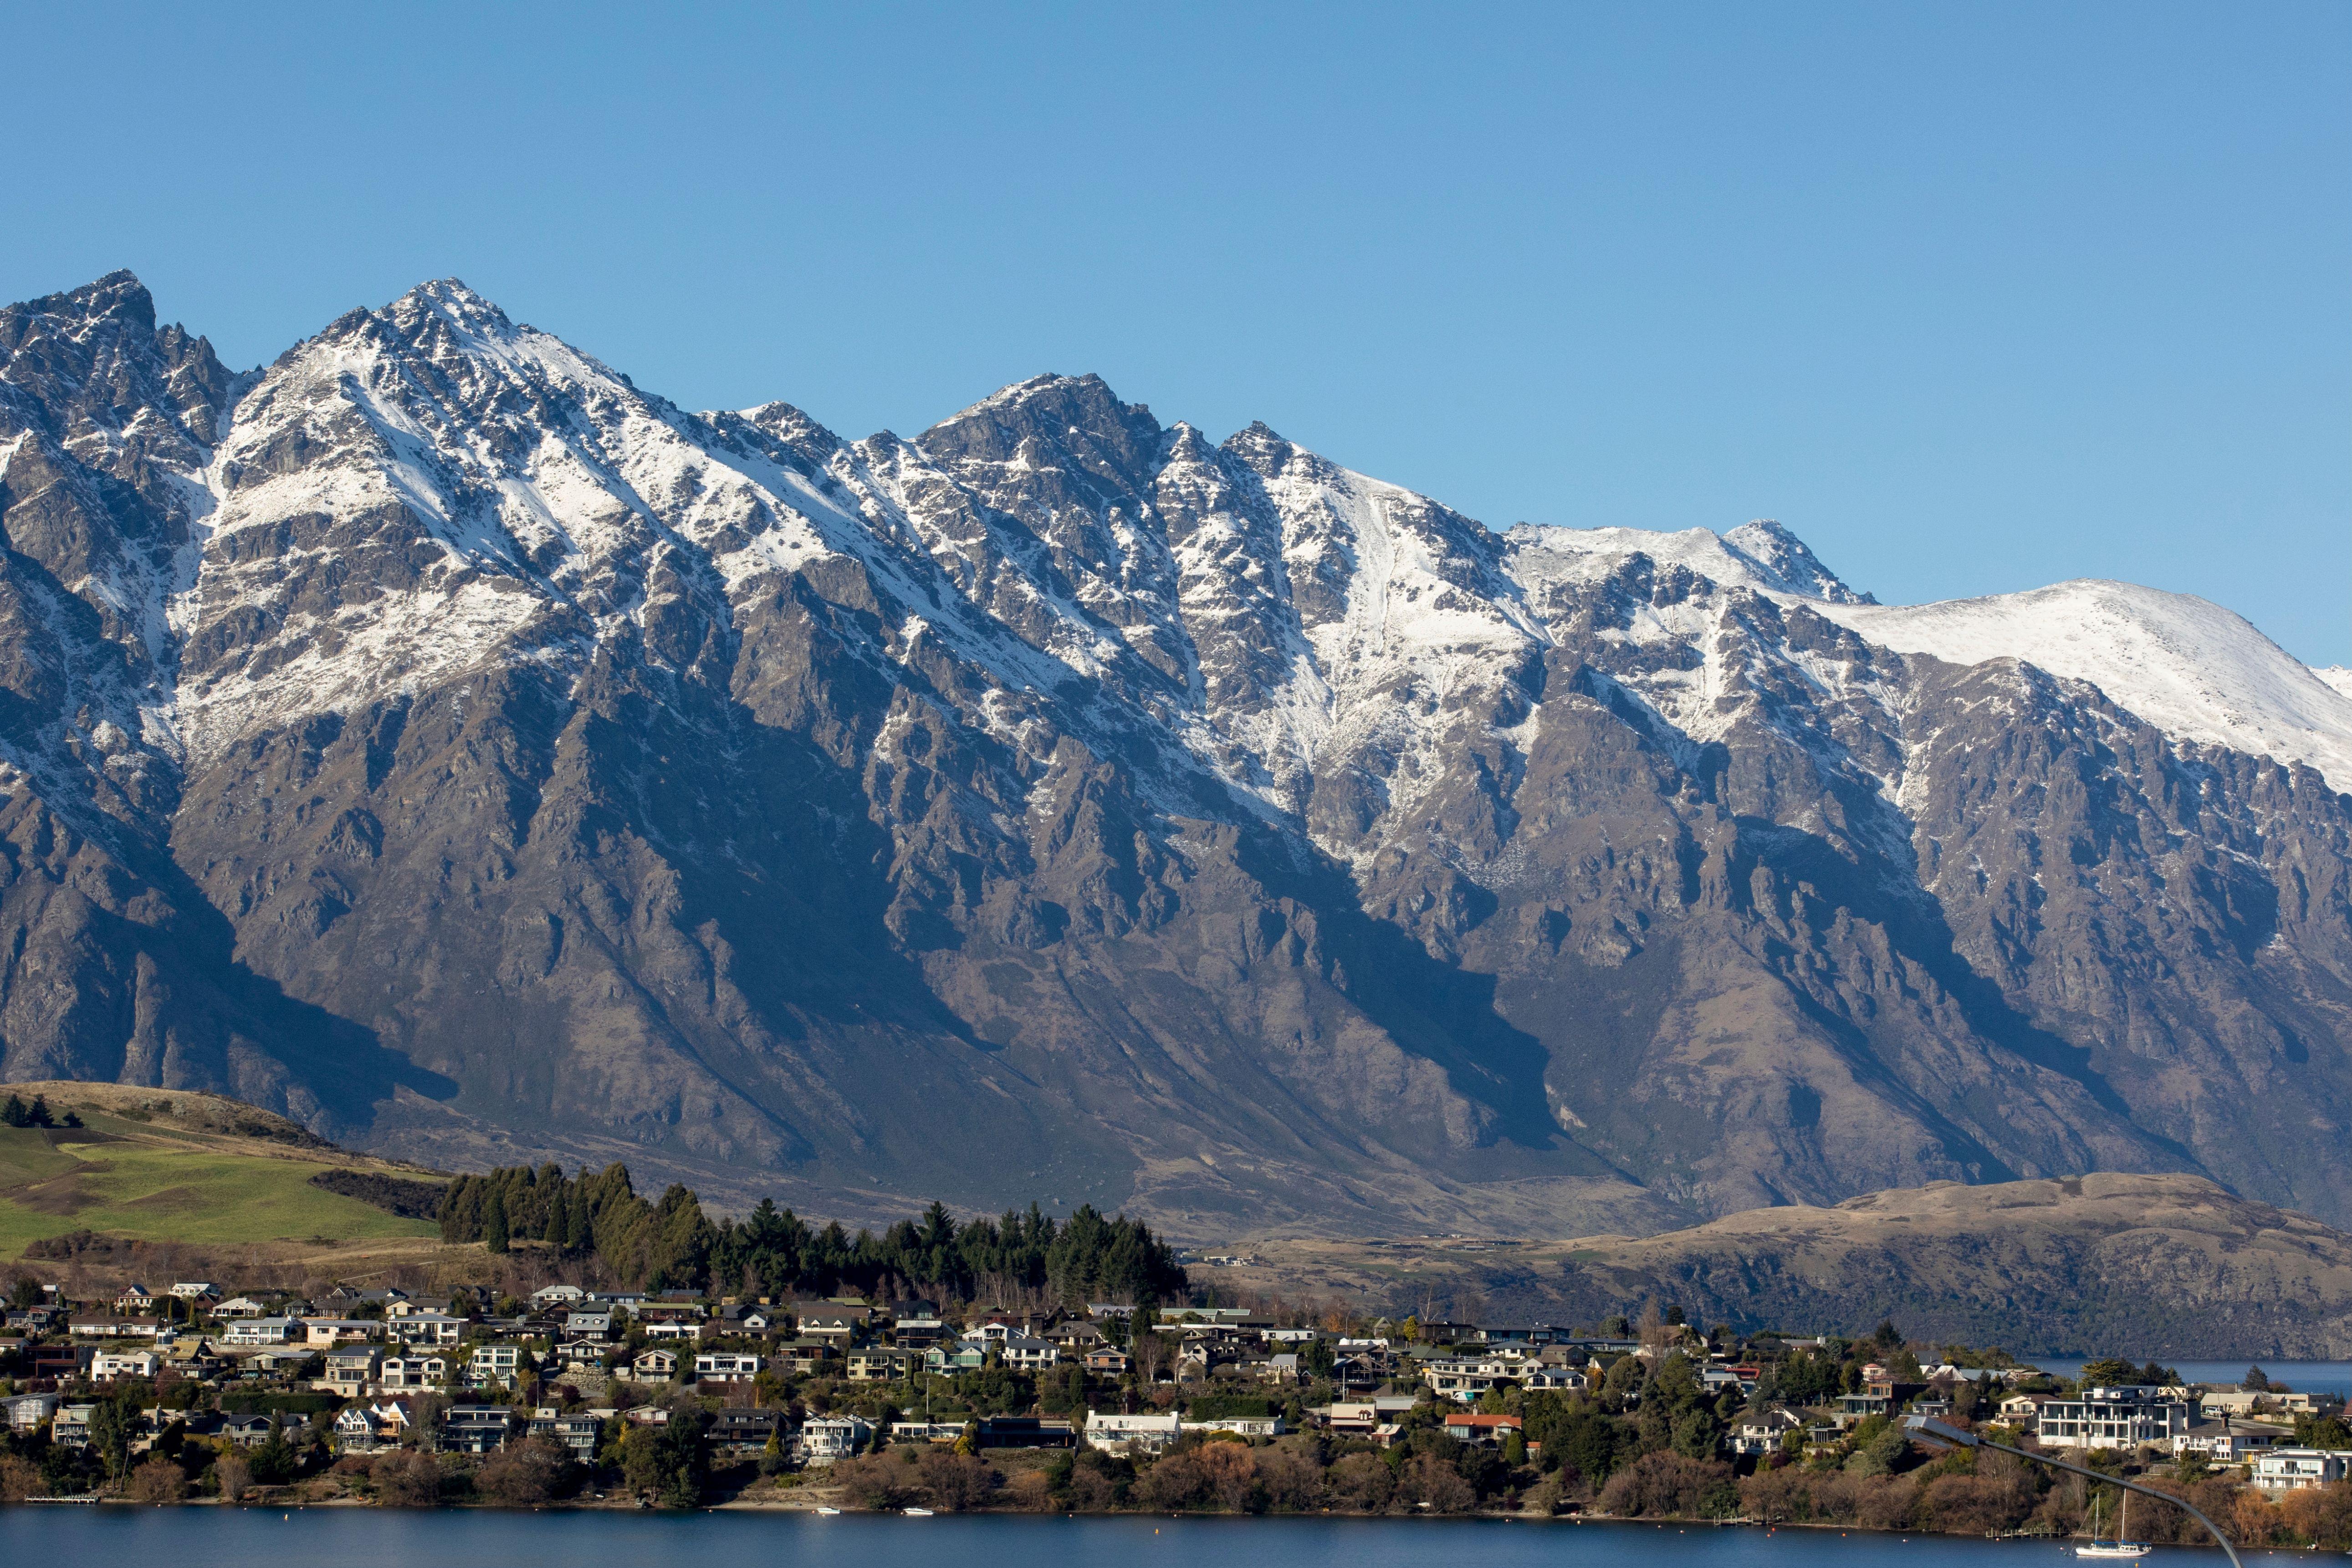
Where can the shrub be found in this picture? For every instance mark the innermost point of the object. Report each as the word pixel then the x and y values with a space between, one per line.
pixel 956 1481
pixel 1229 1476
pixel 159 1480
pixel 1289 1481
pixel 873 1480
pixel 530 1472
pixel 406 1478
pixel 1362 1482
pixel 1430 1482
pixel 19 1478
pixel 1666 1483
pixel 1172 1484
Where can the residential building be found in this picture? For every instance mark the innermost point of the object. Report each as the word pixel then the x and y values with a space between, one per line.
pixel 654 1365
pixel 106 1366
pixel 945 1361
pixel 495 1365
pixel 557 1295
pixel 1767 1432
pixel 247 1431
pixel 70 1427
pixel 413 1372
pixel 690 1329
pixel 921 1333
pixel 1477 1427
pixel 475 1428
pixel 321 1333
pixel 1246 1425
pixel 30 1412
pixel 241 1307
pixel 725 1366
pixel 742 1429
pixel 926 1431
pixel 1542 1375
pixel 2122 1417
pixel 96 1326
pixel 2227 1442
pixel 588 1323
pixel 1465 1379
pixel 1023 1354
pixel 825 1438
pixel 2245 1401
pixel 882 1363
pixel 2294 1469
pixel 1109 1361
pixel 134 1299
pixel 262 1331
pixel 351 1373
pixel 425 1328
pixel 580 1434
pixel 1026 1432
pixel 198 1290
pixel 1116 1434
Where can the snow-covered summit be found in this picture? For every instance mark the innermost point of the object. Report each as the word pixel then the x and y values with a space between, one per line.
pixel 2184 664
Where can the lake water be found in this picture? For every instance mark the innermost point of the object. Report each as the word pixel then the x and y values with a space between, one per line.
pixel 245 1538
pixel 2303 1376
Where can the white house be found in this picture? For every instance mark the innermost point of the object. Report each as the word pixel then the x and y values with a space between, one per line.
pixel 322 1333
pixel 825 1438
pixel 2113 1418
pixel 1025 1353
pixel 262 1331
pixel 2228 1442
pixel 557 1295
pixel 107 1365
pixel 493 1364
pixel 427 1329
pixel 413 1372
pixel 1768 1433
pixel 1116 1434
pixel 2293 1470
pixel 725 1366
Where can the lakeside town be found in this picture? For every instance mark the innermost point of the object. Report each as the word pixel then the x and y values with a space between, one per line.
pixel 198 1391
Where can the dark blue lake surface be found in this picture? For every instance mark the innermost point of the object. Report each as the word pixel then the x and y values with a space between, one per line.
pixel 35 1537
pixel 2303 1376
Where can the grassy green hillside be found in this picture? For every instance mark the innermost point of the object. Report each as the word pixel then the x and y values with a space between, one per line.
pixel 142 1177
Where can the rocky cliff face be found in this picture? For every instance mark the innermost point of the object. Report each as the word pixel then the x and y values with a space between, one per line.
pixel 434 737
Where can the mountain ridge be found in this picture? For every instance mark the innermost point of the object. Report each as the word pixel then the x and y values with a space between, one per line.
pixel 455 743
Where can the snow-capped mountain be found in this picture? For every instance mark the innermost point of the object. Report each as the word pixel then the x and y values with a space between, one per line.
pixel 434 736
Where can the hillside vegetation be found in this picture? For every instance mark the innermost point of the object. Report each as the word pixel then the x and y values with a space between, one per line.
pixel 157 1165
pixel 2171 1267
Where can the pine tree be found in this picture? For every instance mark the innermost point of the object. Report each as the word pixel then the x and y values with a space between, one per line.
pixel 13 1113
pixel 559 1219
pixel 582 1236
pixel 40 1115
pixel 494 1222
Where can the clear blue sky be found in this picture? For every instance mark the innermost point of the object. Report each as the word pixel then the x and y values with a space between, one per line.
pixel 1973 297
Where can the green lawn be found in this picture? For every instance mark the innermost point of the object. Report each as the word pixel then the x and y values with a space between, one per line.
pixel 169 1193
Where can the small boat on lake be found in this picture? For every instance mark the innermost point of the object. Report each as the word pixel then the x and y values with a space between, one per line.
pixel 2119 1547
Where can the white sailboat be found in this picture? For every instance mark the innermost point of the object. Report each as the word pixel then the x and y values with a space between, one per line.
pixel 2119 1547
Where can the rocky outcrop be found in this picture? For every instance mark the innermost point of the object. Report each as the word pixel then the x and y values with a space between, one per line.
pixel 435 738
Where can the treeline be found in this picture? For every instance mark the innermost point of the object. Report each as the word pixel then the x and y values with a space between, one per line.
pixel 672 1244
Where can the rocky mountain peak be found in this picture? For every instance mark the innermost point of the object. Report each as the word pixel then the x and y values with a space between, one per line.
pixel 501 754
pixel 1788 564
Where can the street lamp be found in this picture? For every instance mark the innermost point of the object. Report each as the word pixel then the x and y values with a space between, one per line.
pixel 1935 1431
